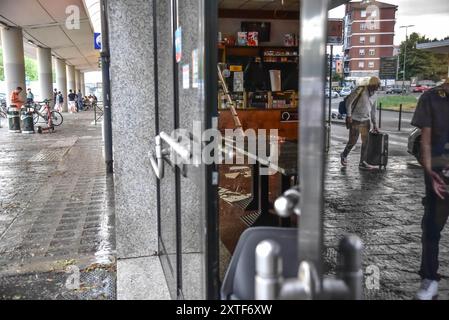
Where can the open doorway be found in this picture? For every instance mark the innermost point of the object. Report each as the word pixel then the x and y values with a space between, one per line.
pixel 258 58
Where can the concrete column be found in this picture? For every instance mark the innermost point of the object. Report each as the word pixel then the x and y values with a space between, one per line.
pixel 77 80
pixel 136 215
pixel 71 84
pixel 13 60
pixel 61 81
pixel 45 73
pixel 83 85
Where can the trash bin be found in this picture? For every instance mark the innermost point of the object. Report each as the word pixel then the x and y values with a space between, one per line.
pixel 14 119
pixel 26 120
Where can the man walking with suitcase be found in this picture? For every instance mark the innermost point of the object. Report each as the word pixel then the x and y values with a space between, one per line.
pixel 361 111
pixel 432 117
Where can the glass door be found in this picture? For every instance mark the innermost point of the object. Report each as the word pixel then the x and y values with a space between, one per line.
pixel 186 95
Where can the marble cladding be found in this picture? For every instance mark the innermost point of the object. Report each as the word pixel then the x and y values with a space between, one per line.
pixel 133 119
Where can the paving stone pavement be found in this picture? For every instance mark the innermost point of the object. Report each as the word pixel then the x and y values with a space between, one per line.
pixel 384 209
pixel 57 217
pixel 56 214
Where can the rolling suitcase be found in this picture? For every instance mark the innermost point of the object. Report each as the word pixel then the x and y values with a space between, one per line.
pixel 378 149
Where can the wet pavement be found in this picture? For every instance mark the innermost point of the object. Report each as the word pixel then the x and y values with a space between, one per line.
pixel 56 214
pixel 384 209
pixel 57 217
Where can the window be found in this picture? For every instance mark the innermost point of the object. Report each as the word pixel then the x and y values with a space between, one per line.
pixel 363 13
pixel 374 13
pixel 362 26
pixel 361 64
pixel 361 52
pixel 372 39
pixel 372 52
pixel 371 64
pixel 362 39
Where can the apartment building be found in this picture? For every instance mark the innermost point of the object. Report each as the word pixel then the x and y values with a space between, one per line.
pixel 369 36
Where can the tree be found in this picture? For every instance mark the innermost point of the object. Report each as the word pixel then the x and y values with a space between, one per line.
pixel 30 68
pixel 419 63
pixel 2 74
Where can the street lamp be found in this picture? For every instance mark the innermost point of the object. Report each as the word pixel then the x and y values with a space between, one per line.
pixel 405 53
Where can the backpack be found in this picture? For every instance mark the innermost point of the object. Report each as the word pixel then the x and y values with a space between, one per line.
pixel 60 99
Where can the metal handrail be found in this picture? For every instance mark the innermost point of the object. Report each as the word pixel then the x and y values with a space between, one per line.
pixel 237 123
pixel 176 146
pixel 156 158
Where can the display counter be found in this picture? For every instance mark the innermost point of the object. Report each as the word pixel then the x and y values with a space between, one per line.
pixel 285 120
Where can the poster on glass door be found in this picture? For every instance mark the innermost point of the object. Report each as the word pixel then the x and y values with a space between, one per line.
pixel 178 44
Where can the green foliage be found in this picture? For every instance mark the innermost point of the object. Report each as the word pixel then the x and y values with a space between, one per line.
pixel 421 64
pixel 337 77
pixel 30 68
pixel 2 73
pixel 393 102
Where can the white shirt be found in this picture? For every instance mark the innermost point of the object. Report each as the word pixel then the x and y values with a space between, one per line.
pixel 365 108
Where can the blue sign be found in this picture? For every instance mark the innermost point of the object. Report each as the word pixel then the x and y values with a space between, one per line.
pixel 97 41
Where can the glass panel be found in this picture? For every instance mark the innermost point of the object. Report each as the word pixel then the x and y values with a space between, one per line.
pixel 191 109
pixel 166 124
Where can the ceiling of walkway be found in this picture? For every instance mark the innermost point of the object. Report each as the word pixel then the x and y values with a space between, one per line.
pixel 285 5
pixel 44 24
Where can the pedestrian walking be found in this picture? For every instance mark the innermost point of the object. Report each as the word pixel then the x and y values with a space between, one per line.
pixel 55 96
pixel 72 101
pixel 60 102
pixel 432 117
pixel 79 100
pixel 361 113
pixel 30 96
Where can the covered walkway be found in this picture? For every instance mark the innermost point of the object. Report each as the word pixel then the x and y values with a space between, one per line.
pixel 56 214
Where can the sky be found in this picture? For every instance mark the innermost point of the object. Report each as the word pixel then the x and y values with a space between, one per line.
pixel 430 17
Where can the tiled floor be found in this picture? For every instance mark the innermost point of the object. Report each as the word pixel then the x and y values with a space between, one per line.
pixel 56 210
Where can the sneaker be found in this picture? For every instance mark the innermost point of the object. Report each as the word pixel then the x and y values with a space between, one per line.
pixel 365 166
pixel 428 290
pixel 343 160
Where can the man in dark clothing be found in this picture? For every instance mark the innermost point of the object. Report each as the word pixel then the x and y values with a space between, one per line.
pixel 432 117
pixel 55 97
pixel 79 101
pixel 72 102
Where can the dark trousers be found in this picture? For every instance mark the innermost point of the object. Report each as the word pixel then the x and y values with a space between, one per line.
pixel 436 212
pixel 358 129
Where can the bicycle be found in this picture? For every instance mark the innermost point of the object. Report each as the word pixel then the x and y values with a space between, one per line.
pixel 56 117
pixel 3 110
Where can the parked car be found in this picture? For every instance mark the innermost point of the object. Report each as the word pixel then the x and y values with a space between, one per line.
pixel 414 144
pixel 395 90
pixel 420 89
pixel 345 92
pixel 334 94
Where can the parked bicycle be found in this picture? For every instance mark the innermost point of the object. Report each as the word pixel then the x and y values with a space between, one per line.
pixel 3 110
pixel 40 112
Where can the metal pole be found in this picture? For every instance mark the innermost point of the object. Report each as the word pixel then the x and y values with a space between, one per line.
pixel 400 117
pixel 405 56
pixel 105 63
pixel 397 68
pixel 405 59
pixel 330 82
pixel 328 128
pixel 380 115
pixel 313 30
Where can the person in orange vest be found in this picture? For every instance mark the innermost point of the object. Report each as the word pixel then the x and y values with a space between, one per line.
pixel 15 98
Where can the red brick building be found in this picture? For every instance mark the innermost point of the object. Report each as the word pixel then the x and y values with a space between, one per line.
pixel 369 35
